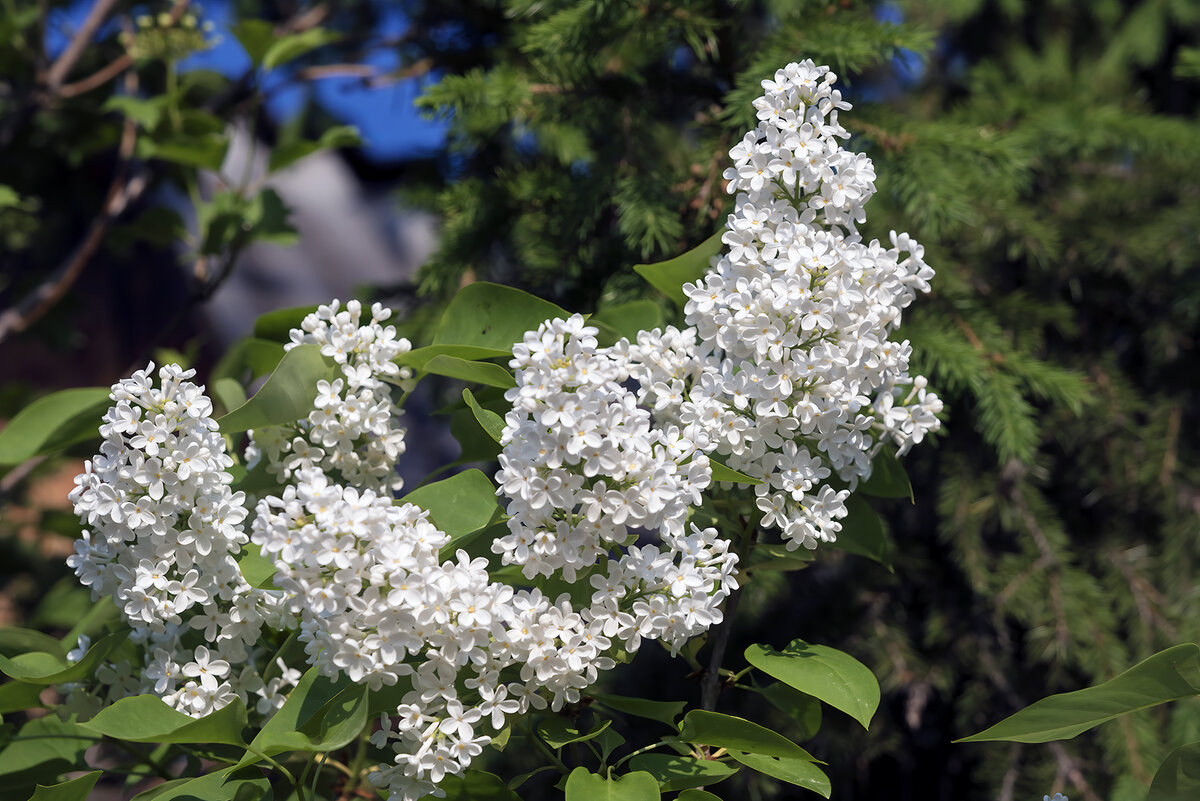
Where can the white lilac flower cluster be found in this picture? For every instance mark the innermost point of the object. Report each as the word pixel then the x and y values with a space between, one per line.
pixel 582 464
pixel 787 372
pixel 376 604
pixel 354 427
pixel 585 471
pixel 164 529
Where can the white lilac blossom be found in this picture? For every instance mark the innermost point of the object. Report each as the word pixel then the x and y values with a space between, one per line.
pixel 583 464
pixel 586 471
pixel 787 372
pixel 164 530
pixel 354 427
pixel 376 603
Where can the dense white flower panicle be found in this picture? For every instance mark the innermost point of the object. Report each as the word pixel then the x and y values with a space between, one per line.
pixel 164 529
pixel 375 603
pixel 787 372
pixel 582 464
pixel 354 428
pixel 585 471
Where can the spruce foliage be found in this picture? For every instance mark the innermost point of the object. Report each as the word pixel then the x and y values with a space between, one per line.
pixel 1048 157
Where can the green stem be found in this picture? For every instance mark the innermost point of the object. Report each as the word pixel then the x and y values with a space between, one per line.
pixel 299 782
pixel 312 788
pixel 356 765
pixel 545 749
pixel 642 750
pixel 148 761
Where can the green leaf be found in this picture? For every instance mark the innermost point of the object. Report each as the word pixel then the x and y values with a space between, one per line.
pixel 8 197
pixel 888 479
pixel 627 319
pixel 257 569
pixel 675 772
pixel 258 481
pixel 1060 717
pixel 419 357
pixel 387 698
pixel 1178 777
pixel 608 741
pixel 47 742
pixel 488 420
pixel 476 785
pixel 288 394
pixel 721 472
pixel 147 719
pixel 158 226
pixel 267 216
pixel 73 790
pixel 294 45
pixel 669 276
pixel 665 711
pixel 221 785
pixel 799 772
pixel 53 422
pixel 477 444
pixel 228 393
pixel 492 375
pixel 39 667
pixel 493 316
pixel 777 557
pixel 826 673
pixel 862 533
pixel 336 137
pixel 585 786
pixel 726 731
pixel 696 795
pixel 556 732
pixel 256 36
pixel 15 641
pixel 18 695
pixel 800 707
pixel 459 505
pixel 277 325
pixel 145 111
pixel 319 715
pixel 256 356
pixel 206 151
pixel 94 622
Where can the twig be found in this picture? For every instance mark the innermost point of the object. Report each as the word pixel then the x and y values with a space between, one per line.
pixel 710 685
pixel 1062 632
pixel 1070 769
pixel 308 19
pixel 1145 596
pixel 114 67
pixel 123 191
pixel 1067 766
pixel 1009 783
pixel 97 78
pixel 79 42
pixel 335 71
pixel 417 68
pixel 1169 458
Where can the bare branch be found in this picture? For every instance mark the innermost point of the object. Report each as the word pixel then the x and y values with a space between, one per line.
pixel 124 189
pixel 79 42
pixel 114 67
pixel 97 78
